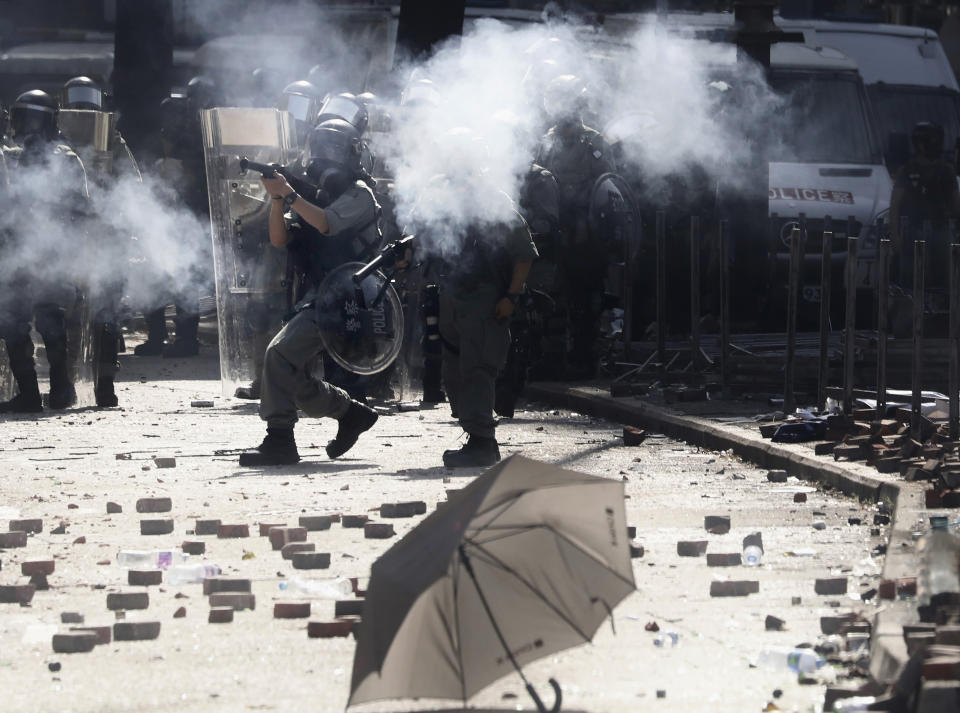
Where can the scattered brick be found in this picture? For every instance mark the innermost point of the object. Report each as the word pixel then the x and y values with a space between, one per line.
pixel 887 465
pixel 60 529
pixel 104 634
pixel 162 462
pixel 919 640
pixel 40 583
pixel 144 577
pixel 824 449
pixel 156 527
pixel 237 600
pixel 726 559
pixel 34 525
pixel 16 593
pixel 291 610
pixel 280 536
pixel 887 589
pixel 114 508
pixel 78 642
pixel 348 607
pixel 128 600
pixel 180 613
pixel 833 624
pixel 354 520
pixel 907 587
pixel 71 617
pixel 136 630
pixel 948 634
pixel 28 569
pixel 212 585
pixel 772 623
pixel 206 527
pixel 80 540
pixel 289 550
pixel 636 551
pixel 408 509
pixel 194 547
pixel 631 532
pixel 265 527
pixel 717 524
pixel 687 548
pixel 231 531
pixel 633 436
pixel 201 404
pixel 154 505
pixel 314 523
pixel 831 585
pixel 739 588
pixel 220 615
pixel 777 476
pixel 329 629
pixel 799 497
pixel 13 539
pixel 378 530
pixel 310 560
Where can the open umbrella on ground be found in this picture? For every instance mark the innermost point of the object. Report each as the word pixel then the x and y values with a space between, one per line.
pixel 527 560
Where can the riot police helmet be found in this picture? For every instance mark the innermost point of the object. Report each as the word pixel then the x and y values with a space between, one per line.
pixel 203 93
pixel 302 100
pixel 421 92
pixel 332 157
pixel 345 106
pixel 565 98
pixel 34 113
pixel 81 93
pixel 927 138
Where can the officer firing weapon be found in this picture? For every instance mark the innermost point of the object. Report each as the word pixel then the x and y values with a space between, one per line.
pixel 272 170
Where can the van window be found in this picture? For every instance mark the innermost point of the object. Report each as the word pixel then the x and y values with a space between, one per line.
pixel 823 120
pixel 899 108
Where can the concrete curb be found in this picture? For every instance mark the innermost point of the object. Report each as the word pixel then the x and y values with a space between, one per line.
pixel 888 651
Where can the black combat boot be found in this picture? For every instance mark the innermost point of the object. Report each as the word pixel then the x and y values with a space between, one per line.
pixel 185 343
pixel 62 392
pixel 356 420
pixel 251 392
pixel 477 452
pixel 28 400
pixel 278 448
pixel 105 395
pixel 156 334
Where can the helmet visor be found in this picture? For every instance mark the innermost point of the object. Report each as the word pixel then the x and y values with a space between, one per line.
pixel 330 146
pixel 30 119
pixel 299 106
pixel 81 95
pixel 343 108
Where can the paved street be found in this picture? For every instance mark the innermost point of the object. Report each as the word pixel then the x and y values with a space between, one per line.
pixel 64 468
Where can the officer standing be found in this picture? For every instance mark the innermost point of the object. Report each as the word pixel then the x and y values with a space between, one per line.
pixel 335 225
pixel 481 281
pixel 925 193
pixel 82 93
pixel 48 193
pixel 576 155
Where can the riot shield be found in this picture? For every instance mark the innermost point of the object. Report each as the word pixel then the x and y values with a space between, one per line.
pixel 614 222
pixel 91 135
pixel 361 324
pixel 250 274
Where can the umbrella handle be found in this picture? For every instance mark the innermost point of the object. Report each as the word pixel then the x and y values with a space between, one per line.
pixel 557 697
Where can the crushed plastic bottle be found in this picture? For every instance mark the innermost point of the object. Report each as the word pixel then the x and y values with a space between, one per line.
pixel 797 660
pixel 151 559
pixel 666 639
pixel 184 573
pixel 321 588
pixel 855 704
pixel 751 556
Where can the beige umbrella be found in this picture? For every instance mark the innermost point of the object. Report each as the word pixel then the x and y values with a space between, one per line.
pixel 527 560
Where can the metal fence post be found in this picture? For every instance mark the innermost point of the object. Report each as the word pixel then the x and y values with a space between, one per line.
pixel 850 324
pixel 796 261
pixel 955 341
pixel 826 277
pixel 883 304
pixel 695 289
pixel 661 289
pixel 919 255
pixel 724 236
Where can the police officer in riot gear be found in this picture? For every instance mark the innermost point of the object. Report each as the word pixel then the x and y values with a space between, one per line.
pixel 339 222
pixel 183 165
pixel 39 292
pixel 576 155
pixel 925 193
pixel 302 100
pixel 85 94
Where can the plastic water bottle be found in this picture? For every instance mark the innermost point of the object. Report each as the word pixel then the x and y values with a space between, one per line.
pixel 150 559
pixel 797 660
pixel 321 588
pixel 666 639
pixel 752 549
pixel 183 573
pixel 939 561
